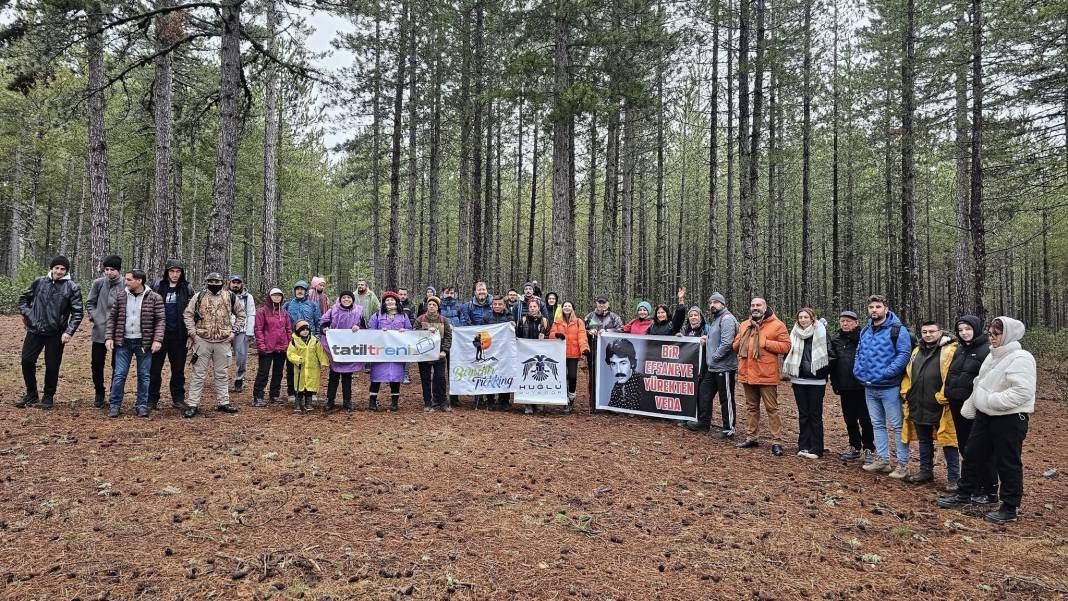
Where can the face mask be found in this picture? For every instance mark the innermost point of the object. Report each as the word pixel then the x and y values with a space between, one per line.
pixel 215 288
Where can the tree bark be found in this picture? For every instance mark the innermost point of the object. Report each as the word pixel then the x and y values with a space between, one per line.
pixel 376 155
pixel 220 234
pixel 477 266
pixel 751 219
pixel 434 272
pixel 910 279
pixel 806 154
pixel 591 234
pixel 413 174
pixel 269 266
pixel 961 289
pixel 630 160
pixel 976 215
pixel 98 150
pixel 559 278
pixel 162 111
pixel 711 265
pixel 395 156
pixel 533 201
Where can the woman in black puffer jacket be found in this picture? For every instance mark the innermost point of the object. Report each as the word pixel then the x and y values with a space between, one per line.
pixel 973 348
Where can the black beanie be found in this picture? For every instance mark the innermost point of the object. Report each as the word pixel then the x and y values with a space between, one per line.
pixel 60 260
pixel 113 261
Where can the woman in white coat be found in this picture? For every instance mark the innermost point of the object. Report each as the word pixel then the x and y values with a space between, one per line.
pixel 1001 403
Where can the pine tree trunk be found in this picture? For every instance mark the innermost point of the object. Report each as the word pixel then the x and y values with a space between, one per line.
pixel 376 154
pixel 977 219
pixel 806 154
pixel 533 201
pixel 591 233
pixel 711 265
pixel 220 234
pixel 517 228
pixel 434 267
pixel 475 187
pixel 392 277
pixel 463 238
pixel 98 150
pixel 270 156
pixel 559 278
pixel 961 290
pixel 609 243
pixel 411 275
pixel 836 276
pixel 732 145
pixel 910 279
pixel 630 159
pixel 161 105
pixel 750 221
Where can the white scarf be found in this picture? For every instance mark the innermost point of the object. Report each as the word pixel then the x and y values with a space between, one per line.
pixel 818 333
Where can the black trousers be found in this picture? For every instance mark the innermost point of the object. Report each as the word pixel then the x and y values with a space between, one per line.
pixel 996 440
pixel 269 363
pixel 988 481
pixel 32 346
pixel 810 417
pixel 857 420
pixel 712 384
pixel 291 387
pixel 572 375
pixel 96 365
pixel 345 380
pixel 173 350
pixel 432 379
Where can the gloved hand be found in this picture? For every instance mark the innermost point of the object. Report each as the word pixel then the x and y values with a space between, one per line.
pixel 561 337
pixel 586 353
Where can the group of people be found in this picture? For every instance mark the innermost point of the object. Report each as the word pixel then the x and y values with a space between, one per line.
pixel 970 391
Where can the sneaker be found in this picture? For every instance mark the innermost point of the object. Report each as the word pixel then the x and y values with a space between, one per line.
pixel 952 486
pixel 427 408
pixel 808 455
pixel 227 408
pixel 528 410
pixel 748 443
pixel 141 411
pixel 329 405
pixel 723 434
pixel 954 501
pixel 99 401
pixel 900 472
pixel 877 465
pixel 776 449
pixel 1005 515
pixel 983 499
pixel 178 404
pixel 258 402
pixel 407 380
pixel 919 478
pixel 347 405
pixel 447 408
pixel 274 400
pixel 47 401
pixel 851 455
pixel 190 412
pixel 113 411
pixel 867 456
pixel 27 400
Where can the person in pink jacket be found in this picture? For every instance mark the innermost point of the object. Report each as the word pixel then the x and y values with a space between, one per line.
pixel 273 331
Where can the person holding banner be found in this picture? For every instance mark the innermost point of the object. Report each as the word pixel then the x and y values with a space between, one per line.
pixel 601 319
pixel 759 343
pixel 500 314
pixel 572 330
pixel 696 327
pixel 533 326
pixel 307 357
pixel 345 314
pixel 642 323
pixel 388 318
pixel 807 365
pixel 432 373
pixel 668 322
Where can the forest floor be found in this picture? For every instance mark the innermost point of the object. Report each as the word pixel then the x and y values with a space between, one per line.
pixel 485 505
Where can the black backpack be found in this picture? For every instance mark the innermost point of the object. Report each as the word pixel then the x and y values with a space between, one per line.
pixel 895 333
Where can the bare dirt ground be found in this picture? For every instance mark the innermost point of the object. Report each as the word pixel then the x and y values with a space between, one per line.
pixel 485 505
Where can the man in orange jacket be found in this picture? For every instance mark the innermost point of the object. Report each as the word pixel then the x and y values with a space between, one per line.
pixel 761 340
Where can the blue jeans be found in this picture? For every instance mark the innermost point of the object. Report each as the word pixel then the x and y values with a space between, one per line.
pixel 884 408
pixel 131 347
pixel 927 435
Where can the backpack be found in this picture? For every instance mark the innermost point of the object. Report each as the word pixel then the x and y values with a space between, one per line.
pixel 895 333
pixel 200 298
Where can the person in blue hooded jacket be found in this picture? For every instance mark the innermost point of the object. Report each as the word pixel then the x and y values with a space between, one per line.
pixel 475 311
pixel 300 308
pixel 882 354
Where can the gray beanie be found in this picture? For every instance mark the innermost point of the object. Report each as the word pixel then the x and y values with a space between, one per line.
pixel 716 296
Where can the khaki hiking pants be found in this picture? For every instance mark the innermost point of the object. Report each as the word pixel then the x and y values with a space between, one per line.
pixel 216 356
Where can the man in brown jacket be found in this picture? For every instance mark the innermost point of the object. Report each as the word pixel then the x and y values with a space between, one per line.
pixel 136 320
pixel 207 317
pixel 760 341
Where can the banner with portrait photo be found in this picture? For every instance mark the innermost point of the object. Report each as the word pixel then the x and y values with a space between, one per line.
pixel 541 367
pixel 382 346
pixel 482 359
pixel 648 375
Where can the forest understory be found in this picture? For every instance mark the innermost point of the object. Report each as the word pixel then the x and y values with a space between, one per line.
pixel 486 505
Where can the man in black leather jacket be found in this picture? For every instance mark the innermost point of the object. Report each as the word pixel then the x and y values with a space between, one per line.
pixel 51 310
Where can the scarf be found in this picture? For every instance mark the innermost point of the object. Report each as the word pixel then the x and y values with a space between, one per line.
pixel 749 346
pixel 798 335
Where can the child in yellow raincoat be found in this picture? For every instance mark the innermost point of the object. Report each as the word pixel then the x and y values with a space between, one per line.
pixel 307 357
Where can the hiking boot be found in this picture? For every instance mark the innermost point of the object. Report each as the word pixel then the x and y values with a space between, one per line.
pixel 528 410
pixel 258 402
pixel 27 400
pixel 900 472
pixel 952 486
pixel 877 465
pixel 748 443
pixel 867 456
pixel 113 411
pixel 1005 515
pixel 47 401
pixel 954 501
pixel 983 499
pixel 177 404
pixel 919 478
pixel 427 409
pixel 99 401
pixel 227 408
pixel 851 455
pixel 776 449
pixel 695 426
pixel 298 405
pixel 274 400
pixel 393 406
pixel 238 385
pixel 141 411
pixel 347 405
pixel 373 406
pixel 329 405
pixel 189 412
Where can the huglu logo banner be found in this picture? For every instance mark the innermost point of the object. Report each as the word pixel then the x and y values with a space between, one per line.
pixel 382 346
pixel 482 359
pixel 542 377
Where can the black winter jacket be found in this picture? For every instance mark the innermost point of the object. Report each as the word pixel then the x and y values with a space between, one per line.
pixel 842 354
pixel 672 325
pixel 804 371
pixel 51 307
pixel 965 367
pixel 531 327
